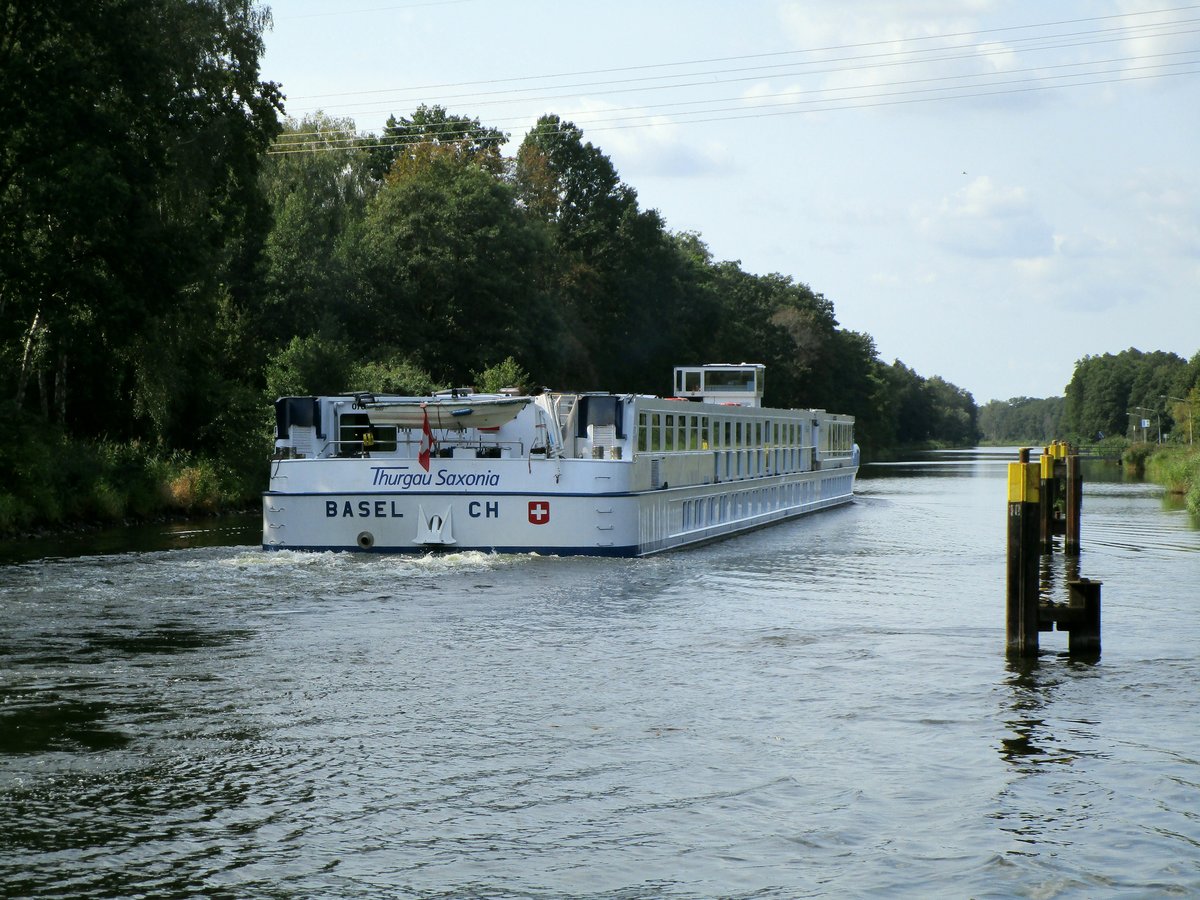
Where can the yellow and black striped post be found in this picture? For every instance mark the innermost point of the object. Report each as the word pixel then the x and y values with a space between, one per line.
pixel 1047 492
pixel 1024 552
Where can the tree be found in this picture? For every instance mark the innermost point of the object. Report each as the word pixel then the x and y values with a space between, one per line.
pixel 312 364
pixel 451 270
pixel 861 389
pixel 128 192
pixel 1108 394
pixel 955 416
pixel 431 131
pixel 318 183
pixel 505 374
pixel 1022 420
pixel 574 185
pixel 598 233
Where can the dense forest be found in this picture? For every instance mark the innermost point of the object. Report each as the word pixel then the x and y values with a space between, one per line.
pixel 175 252
pixel 1127 396
pixel 1022 420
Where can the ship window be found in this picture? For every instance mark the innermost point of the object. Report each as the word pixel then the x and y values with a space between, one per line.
pixel 739 380
pixel 704 432
pixel 655 432
pixel 668 433
pixel 643 438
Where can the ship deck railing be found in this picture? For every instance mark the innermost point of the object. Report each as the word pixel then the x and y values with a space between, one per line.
pixel 409 448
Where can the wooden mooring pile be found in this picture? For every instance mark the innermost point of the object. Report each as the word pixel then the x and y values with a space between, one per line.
pixel 1045 499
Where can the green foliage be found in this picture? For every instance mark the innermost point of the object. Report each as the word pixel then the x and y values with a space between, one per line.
pixel 394 374
pixel 128 191
pixel 1176 468
pixel 1135 457
pixel 318 184
pixel 1111 394
pixel 308 366
pixel 451 270
pixel 55 480
pixel 1022 420
pixel 430 131
pixel 505 374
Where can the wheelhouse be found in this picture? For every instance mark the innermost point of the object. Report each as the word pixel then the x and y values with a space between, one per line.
pixel 726 383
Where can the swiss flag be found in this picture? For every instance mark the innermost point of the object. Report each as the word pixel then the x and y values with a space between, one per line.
pixel 426 440
pixel 539 512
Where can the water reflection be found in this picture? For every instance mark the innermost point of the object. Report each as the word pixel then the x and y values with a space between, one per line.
pixel 53 722
pixel 222 531
pixel 1059 759
pixel 167 638
pixel 1031 743
pixel 1036 738
pixel 975 461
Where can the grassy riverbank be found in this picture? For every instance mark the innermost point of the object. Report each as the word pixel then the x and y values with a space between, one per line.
pixel 1177 468
pixel 59 482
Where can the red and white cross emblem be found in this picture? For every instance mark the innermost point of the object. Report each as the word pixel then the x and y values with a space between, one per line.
pixel 539 512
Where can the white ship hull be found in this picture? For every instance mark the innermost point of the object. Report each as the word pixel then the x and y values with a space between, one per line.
pixel 590 510
pixel 596 474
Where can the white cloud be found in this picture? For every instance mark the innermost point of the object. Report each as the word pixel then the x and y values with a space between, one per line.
pixel 989 221
pixel 859 47
pixel 1168 204
pixel 663 148
pixel 1151 37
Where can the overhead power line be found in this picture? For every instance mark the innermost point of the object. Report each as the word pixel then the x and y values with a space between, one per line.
pixel 830 98
pixel 838 95
pixel 320 141
pixel 705 79
pixel 920 39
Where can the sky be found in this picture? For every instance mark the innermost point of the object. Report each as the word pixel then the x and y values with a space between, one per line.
pixel 992 189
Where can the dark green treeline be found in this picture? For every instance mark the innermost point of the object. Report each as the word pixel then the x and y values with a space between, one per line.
pixel 172 258
pixel 1128 396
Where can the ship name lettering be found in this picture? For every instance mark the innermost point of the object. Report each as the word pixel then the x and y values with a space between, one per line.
pixel 399 476
pixel 364 509
pixel 488 510
pixel 468 479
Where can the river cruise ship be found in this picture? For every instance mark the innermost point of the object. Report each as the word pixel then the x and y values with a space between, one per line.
pixel 556 473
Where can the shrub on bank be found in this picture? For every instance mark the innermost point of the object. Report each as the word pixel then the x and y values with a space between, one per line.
pixel 52 481
pixel 1175 468
pixel 1135 457
pixel 1178 470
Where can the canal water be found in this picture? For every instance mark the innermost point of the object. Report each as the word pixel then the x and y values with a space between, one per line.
pixel 822 708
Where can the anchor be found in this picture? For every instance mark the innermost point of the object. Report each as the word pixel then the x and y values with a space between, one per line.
pixel 434 530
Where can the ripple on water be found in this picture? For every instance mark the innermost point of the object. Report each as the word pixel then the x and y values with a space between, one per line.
pixel 817 709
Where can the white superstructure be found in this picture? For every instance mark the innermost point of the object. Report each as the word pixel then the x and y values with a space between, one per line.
pixel 562 473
